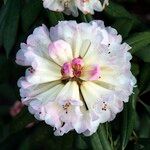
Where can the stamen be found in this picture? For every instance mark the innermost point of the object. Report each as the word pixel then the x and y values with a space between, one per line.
pixel 66 106
pixel 31 70
pixel 77 66
pixel 65 3
pixel 73 69
pixel 104 106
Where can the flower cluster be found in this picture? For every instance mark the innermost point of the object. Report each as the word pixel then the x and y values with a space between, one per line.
pixel 79 75
pixel 72 6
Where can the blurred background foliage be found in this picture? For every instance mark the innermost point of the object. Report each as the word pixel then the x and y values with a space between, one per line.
pixel 20 131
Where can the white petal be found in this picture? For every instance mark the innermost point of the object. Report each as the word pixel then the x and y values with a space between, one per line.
pixel 68 32
pixel 37 91
pixel 52 114
pixel 64 129
pixel 50 94
pixel 43 71
pixel 39 41
pixel 60 51
pixel 54 5
pixel 37 45
pixel 39 103
pixel 86 125
pixel 73 115
pixel 92 92
pixel 103 115
pixel 76 35
pixel 90 6
pixel 25 55
pixel 70 93
pixel 37 109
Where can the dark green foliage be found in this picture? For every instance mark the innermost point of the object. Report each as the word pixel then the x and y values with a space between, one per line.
pixel 130 129
pixel 30 13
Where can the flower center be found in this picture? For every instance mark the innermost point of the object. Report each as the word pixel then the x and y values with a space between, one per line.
pixel 77 66
pixel 104 106
pixel 66 106
pixel 73 68
pixel 65 3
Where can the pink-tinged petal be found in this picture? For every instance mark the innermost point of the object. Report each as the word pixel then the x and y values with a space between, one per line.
pixel 73 115
pixel 60 51
pixel 37 45
pixel 102 110
pixel 64 129
pixel 77 66
pixel 77 62
pixel 22 83
pixel 91 72
pixel 86 125
pixel 25 55
pixel 39 41
pixel 88 6
pixel 72 6
pixel 52 114
pixel 40 37
pixel 67 70
pixel 53 5
pixel 36 108
pixel 117 106
pixel 92 130
pixel 95 73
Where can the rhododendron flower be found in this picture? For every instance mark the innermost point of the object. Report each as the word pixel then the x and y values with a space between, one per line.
pixel 72 6
pixel 79 75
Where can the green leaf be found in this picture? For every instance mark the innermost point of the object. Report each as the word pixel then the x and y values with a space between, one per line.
pixel 4 109
pixel 146 90
pixel 103 138
pixel 54 17
pixel 42 138
pixel 144 124
pixel 80 143
pixel 128 121
pixel 85 18
pixel 25 144
pixel 123 26
pixel 147 107
pixel 95 142
pixel 144 80
pixel 30 13
pixel 144 53
pixel 7 92
pixel 3 15
pixel 5 1
pixel 138 41
pixel 143 144
pixel 59 16
pixel 11 25
pixel 4 69
pixel 135 69
pixel 99 140
pixel 116 10
pixel 89 17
